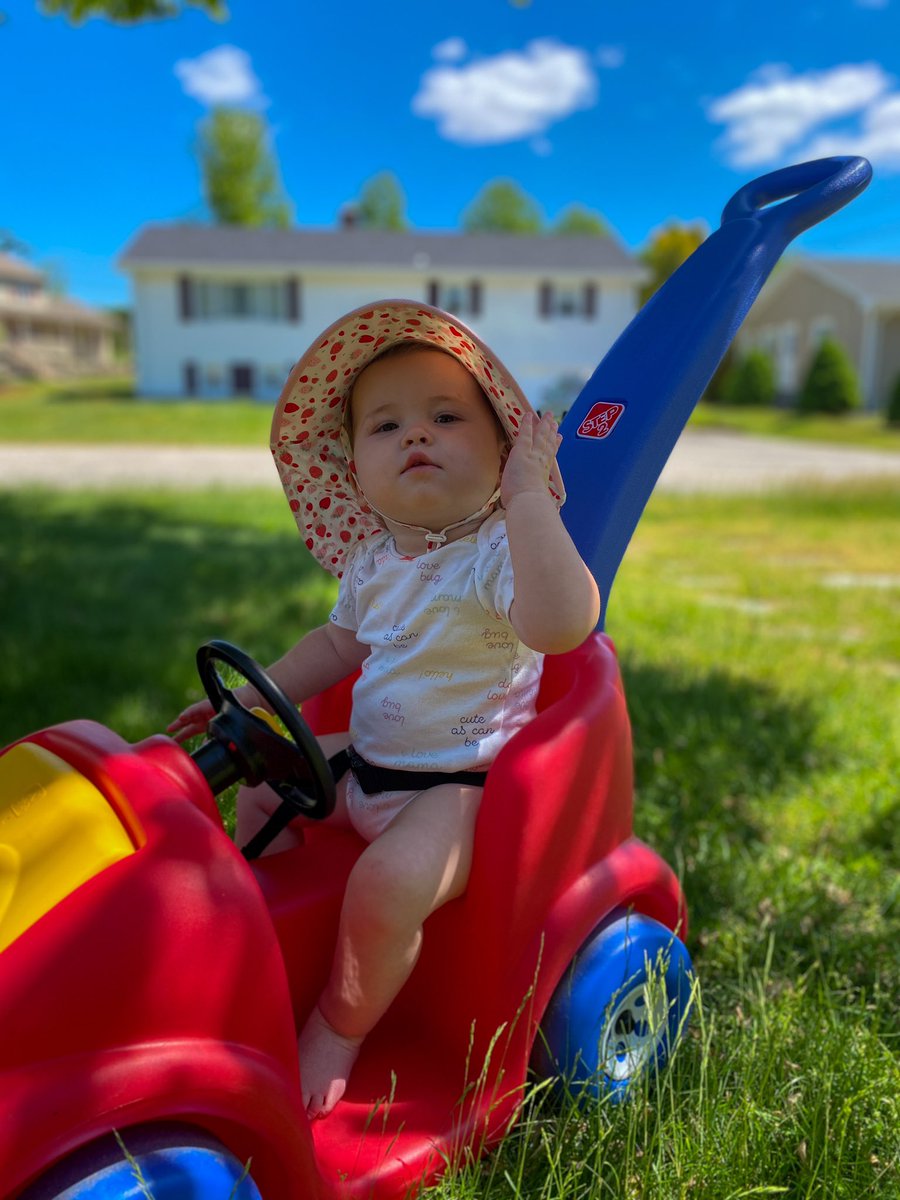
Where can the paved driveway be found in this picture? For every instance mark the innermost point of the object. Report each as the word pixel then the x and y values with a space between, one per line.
pixel 702 461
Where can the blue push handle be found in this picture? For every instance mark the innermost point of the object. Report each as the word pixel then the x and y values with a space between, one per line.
pixel 816 190
pixel 621 430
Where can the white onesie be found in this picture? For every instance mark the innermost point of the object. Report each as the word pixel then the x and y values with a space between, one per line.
pixel 447 681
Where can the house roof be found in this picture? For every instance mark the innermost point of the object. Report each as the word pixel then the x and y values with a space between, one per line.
pixel 16 270
pixel 870 281
pixel 56 310
pixel 192 245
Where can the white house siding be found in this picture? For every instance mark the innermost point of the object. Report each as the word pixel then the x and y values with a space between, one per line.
pixel 540 351
pixel 164 344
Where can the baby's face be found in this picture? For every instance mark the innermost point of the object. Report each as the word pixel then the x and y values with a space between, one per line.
pixel 427 446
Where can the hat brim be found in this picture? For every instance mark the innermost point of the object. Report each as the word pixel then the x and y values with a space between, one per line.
pixel 306 428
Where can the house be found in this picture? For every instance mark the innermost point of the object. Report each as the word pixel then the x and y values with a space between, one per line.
pixel 47 336
pixel 225 310
pixel 855 301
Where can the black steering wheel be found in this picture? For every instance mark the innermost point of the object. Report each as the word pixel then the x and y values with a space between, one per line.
pixel 244 746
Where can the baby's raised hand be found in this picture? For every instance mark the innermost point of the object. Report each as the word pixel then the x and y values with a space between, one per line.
pixel 531 458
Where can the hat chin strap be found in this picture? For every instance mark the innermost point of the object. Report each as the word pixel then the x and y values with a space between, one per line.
pixel 434 540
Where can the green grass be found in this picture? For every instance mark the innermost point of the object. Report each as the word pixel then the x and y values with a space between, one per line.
pixel 761 654
pixel 863 430
pixel 107 411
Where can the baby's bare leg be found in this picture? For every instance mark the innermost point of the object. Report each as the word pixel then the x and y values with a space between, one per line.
pixel 255 805
pixel 421 861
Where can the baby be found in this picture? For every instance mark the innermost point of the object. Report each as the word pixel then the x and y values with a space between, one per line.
pixel 418 473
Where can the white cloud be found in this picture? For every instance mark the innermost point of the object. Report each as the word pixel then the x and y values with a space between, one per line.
pixel 878 138
pixel 220 76
pixel 452 49
pixel 775 110
pixel 512 95
pixel 611 57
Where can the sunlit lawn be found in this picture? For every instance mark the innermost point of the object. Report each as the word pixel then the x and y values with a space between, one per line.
pixel 760 646
pixel 107 411
pixel 867 430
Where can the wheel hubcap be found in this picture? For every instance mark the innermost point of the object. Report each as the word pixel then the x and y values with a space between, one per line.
pixel 634 1031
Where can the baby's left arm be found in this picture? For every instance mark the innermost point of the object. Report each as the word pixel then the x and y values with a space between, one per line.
pixel 556 602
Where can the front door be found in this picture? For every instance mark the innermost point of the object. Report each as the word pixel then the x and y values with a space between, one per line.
pixel 242 379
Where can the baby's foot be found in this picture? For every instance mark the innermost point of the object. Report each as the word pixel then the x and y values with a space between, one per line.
pixel 326 1060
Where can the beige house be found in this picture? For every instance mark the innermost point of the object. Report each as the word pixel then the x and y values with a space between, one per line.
pixel 43 336
pixel 853 300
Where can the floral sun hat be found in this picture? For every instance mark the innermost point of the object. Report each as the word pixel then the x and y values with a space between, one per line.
pixel 308 440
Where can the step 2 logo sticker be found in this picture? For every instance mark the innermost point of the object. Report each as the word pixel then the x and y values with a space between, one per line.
pixel 601 420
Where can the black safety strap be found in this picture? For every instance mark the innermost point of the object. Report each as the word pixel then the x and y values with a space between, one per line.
pixel 371 779
pixel 374 779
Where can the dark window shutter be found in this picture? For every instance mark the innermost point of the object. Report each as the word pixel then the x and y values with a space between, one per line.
pixel 190 378
pixel 475 298
pixel 185 298
pixel 590 299
pixel 433 292
pixel 293 299
pixel 545 299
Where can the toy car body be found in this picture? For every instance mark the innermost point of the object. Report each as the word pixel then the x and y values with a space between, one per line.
pixel 168 984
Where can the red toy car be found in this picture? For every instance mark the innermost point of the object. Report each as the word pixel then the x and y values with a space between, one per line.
pixel 158 994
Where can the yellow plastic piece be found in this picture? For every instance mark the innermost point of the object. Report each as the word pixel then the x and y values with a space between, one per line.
pixel 270 719
pixel 56 831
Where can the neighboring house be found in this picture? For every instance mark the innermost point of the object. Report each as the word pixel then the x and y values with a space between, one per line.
pixel 47 336
pixel 225 310
pixel 855 301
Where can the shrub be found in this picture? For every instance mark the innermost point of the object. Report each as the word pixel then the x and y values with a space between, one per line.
pixel 717 387
pixel 752 380
pixel 893 408
pixel 831 385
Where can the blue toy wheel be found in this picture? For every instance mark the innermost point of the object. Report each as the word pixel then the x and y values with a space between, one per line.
pixel 619 1011
pixel 165 1162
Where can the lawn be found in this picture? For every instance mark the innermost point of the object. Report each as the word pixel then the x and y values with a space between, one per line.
pixel 107 411
pixel 760 648
pixel 864 430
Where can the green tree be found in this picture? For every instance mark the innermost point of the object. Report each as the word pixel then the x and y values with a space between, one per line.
pixel 892 414
pixel 382 203
pixel 502 206
pixel 751 381
pixel 10 244
pixel 831 385
pixel 577 219
pixel 241 180
pixel 667 249
pixel 127 12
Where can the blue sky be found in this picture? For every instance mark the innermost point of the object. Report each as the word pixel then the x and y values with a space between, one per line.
pixel 643 109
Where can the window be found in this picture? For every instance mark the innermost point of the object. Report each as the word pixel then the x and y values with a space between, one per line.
pixel 462 299
pixel 238 300
pixel 820 328
pixel 568 300
pixel 786 358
